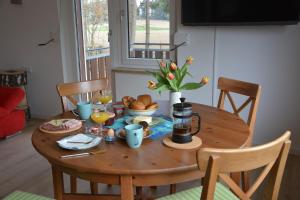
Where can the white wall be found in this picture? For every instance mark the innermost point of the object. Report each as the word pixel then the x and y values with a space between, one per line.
pixel 126 85
pixel 268 55
pixel 22 27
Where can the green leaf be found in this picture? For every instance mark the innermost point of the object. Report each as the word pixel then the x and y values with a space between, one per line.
pixel 188 73
pixel 183 73
pixel 191 86
pixel 173 85
pixel 158 77
pixel 177 77
pixel 162 87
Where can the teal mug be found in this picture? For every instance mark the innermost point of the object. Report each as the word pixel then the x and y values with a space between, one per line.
pixel 84 110
pixel 134 135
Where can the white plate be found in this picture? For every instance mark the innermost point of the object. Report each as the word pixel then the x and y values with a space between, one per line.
pixel 63 143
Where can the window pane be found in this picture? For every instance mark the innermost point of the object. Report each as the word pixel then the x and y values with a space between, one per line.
pixel 148 29
pixel 95 22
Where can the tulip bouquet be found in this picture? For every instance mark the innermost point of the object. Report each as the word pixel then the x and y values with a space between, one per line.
pixel 170 77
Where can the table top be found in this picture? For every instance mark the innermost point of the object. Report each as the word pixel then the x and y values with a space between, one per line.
pixel 219 129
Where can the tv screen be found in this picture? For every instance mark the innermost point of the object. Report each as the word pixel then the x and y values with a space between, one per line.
pixel 243 12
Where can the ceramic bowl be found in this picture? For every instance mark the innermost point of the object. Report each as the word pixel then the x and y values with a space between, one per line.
pixel 134 112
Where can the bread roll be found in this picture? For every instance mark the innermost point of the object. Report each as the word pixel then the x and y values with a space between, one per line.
pixel 145 98
pixel 127 100
pixel 137 105
pixel 152 106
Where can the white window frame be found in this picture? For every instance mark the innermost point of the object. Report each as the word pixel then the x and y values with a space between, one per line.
pixel 141 62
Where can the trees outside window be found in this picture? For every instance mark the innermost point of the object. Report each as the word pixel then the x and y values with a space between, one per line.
pixel 95 23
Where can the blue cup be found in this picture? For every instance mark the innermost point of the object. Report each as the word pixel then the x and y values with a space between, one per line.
pixel 134 135
pixel 84 110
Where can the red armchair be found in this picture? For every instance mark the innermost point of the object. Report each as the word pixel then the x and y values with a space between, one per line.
pixel 12 120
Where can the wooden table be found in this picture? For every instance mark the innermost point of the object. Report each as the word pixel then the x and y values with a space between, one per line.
pixel 153 164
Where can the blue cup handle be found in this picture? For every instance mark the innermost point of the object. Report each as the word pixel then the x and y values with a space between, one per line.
pixel 136 140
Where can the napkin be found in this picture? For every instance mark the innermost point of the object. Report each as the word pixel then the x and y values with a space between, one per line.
pixel 80 138
pixel 65 142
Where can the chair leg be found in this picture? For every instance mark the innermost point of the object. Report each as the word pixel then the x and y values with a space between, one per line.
pixel 172 188
pixel 73 183
pixel 245 181
pixel 94 187
pixel 139 192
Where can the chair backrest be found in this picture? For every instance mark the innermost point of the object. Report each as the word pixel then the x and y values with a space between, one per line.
pixel 219 162
pixel 243 88
pixel 92 88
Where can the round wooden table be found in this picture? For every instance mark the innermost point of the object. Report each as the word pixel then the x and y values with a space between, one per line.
pixel 152 164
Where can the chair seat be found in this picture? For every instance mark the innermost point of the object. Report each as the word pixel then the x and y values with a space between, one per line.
pixel 221 193
pixel 18 195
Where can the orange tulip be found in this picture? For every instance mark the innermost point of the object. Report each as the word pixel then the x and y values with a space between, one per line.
pixel 170 76
pixel 189 60
pixel 151 85
pixel 173 66
pixel 204 80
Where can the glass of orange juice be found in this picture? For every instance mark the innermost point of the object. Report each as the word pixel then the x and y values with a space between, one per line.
pixel 99 118
pixel 105 98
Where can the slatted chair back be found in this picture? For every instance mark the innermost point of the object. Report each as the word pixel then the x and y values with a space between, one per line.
pixel 92 89
pixel 251 90
pixel 218 163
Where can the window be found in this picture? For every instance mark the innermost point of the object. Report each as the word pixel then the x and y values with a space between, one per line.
pixel 93 34
pixel 146 31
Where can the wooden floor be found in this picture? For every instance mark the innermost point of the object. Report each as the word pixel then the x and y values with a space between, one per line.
pixel 22 168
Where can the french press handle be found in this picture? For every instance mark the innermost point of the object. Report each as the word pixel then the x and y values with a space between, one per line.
pixel 199 123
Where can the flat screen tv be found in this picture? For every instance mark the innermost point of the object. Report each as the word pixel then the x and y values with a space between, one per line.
pixel 239 12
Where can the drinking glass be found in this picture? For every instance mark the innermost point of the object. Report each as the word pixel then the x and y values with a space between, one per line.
pixel 99 118
pixel 105 98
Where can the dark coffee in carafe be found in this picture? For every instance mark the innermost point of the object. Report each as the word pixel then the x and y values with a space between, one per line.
pixel 182 128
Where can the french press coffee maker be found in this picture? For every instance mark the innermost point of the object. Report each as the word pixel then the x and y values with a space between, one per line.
pixel 182 127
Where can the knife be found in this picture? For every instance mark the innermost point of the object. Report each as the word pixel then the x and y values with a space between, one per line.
pixel 83 154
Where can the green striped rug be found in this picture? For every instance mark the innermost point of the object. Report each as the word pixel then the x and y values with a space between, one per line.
pixel 221 193
pixel 18 195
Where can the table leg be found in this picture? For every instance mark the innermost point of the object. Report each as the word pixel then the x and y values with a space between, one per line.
pixel 73 183
pixel 172 188
pixel 126 188
pixel 94 187
pixel 58 183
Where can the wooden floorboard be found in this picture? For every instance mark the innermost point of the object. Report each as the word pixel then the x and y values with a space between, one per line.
pixel 22 168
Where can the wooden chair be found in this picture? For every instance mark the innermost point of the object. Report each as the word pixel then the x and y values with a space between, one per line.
pixel 218 163
pixel 252 91
pixel 67 91
pixel 91 89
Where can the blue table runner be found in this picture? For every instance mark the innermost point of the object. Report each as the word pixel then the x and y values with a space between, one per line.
pixel 163 128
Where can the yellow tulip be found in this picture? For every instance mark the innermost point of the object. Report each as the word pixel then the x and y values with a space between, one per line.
pixel 151 85
pixel 204 80
pixel 189 60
